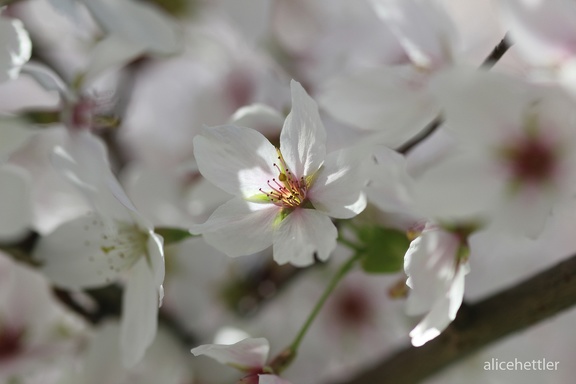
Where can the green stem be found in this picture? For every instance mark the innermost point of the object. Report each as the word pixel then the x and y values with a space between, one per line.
pixel 353 246
pixel 285 358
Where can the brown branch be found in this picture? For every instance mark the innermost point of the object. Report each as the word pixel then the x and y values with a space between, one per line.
pixel 507 312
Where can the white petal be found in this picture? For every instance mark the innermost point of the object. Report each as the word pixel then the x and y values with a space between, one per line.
pixel 138 23
pixel 542 31
pixel 76 255
pixel 337 189
pixel 111 52
pixel 15 202
pixel 13 134
pixel 391 188
pixel 483 108
pixel 261 117
pixel 238 160
pixel 422 27
pixel 303 233
pixel 84 162
pixel 271 379
pixel 102 359
pixel 430 266
pixel 303 137
pixel 156 261
pixel 246 354
pixel 139 314
pixel 443 312
pixel 239 227
pixel 15 48
pixel 393 101
pixel 524 212
pixel 461 186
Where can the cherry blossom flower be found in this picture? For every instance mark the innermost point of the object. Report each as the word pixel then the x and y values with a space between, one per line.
pixel 436 268
pixel 514 161
pixel 15 48
pixel 397 101
pixel 248 355
pixel 286 196
pixel 36 332
pixel 96 249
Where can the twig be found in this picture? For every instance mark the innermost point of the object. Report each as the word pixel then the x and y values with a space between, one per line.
pixel 496 54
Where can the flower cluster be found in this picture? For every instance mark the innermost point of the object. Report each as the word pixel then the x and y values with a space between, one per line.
pixel 170 169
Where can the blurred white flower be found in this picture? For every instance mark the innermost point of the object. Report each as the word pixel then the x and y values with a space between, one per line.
pixel 36 333
pixel 248 355
pixel 515 158
pixel 96 249
pixel 396 101
pixel 286 196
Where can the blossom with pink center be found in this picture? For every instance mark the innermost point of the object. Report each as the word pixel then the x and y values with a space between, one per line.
pixel 515 158
pixel 248 355
pixel 285 196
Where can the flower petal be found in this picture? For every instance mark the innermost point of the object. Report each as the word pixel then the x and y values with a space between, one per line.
pixel 261 117
pixel 461 186
pixel 443 311
pixel 238 160
pixel 245 355
pixel 337 188
pixel 542 31
pixel 303 137
pixel 16 202
pixel 139 313
pixel 75 255
pixel 239 227
pixel 394 101
pixel 155 255
pixel 494 107
pixel 422 27
pixel 15 50
pixel 271 379
pixel 83 161
pixel 138 23
pixel 301 235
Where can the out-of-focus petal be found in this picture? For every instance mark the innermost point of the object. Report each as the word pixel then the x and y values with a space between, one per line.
pixel 139 313
pixel 393 101
pixel 543 31
pixel 422 27
pixel 271 379
pixel 79 254
pixel 15 48
pixel 15 202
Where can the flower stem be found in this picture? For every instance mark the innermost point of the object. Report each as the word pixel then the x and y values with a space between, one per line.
pixel 285 358
pixel 353 246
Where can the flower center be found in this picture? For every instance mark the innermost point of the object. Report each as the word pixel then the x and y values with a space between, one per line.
pixel 531 160
pixel 121 246
pixel 287 190
pixel 10 342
